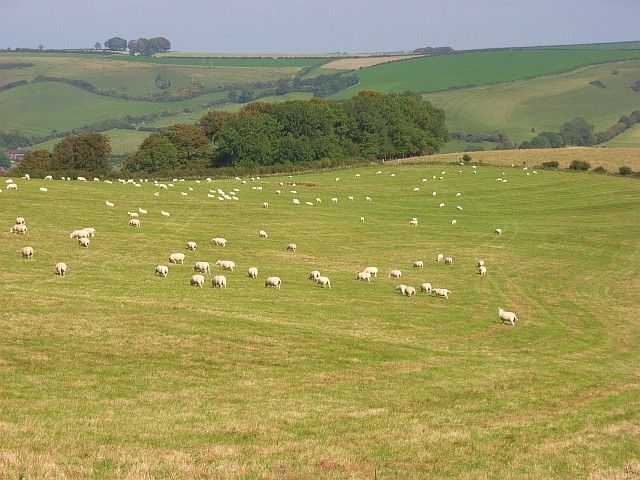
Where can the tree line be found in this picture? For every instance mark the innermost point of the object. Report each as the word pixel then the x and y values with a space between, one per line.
pixel 141 46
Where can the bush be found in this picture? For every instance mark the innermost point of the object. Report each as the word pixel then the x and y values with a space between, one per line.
pixel 550 165
pixel 580 165
pixel 599 169
pixel 624 170
pixel 466 158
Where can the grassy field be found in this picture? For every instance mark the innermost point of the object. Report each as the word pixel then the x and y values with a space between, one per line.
pixel 122 140
pixel 483 67
pixel 629 138
pixel 111 372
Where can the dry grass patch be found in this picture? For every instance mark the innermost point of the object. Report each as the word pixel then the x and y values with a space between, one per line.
pixel 364 62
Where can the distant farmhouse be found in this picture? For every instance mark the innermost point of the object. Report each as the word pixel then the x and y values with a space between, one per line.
pixel 16 155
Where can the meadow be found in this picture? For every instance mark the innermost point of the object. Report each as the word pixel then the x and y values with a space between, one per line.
pixel 122 141
pixel 112 372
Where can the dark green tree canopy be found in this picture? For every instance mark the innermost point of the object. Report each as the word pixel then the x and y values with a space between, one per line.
pixel 116 43
pixel 156 154
pixel 87 152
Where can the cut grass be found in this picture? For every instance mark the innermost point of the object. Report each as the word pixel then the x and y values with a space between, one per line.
pixel 111 372
pixel 121 140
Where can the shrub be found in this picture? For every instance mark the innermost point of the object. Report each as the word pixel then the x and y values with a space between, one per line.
pixel 599 169
pixel 624 170
pixel 580 165
pixel 466 158
pixel 552 164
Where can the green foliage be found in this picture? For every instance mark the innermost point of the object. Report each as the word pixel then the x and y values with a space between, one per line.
pixel 466 158
pixel 5 163
pixel 550 165
pixel 599 169
pixel 13 139
pixel 36 163
pixel 149 46
pixel 162 81
pixel 116 43
pixel 156 154
pixel 87 152
pixel 580 165
pixel 624 170
pixel 190 141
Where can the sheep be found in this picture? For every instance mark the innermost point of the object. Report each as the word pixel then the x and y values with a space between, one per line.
pixel 164 214
pixel 368 199
pixel 416 189
pixel 184 194
pixel 459 207
pixel 393 174
pixel 434 194
pixel 226 264
pixel 296 201
pixel 81 179
pixel 197 280
pixel 265 205
pixel 413 222
pixel 441 205
pixel 12 186
pixel 84 242
pixel 43 189
pixel 401 288
pixel 133 214
pixel 350 198
pixel 162 270
pixel 82 233
pixel 192 245
pixel 448 260
pixel 309 203
pixel 48 177
pixel 96 179
pixel 134 222
pixel 361 219
pixel 219 241
pixel 480 263
pixel 252 272
pixel 395 274
pixel 109 204
pixel 177 258
pixel 378 172
pixel 454 222
pixel 418 264
pixel 27 252
pixel 426 287
pixel 440 258
pixel 372 270
pixel 294 191
pixel 61 269
pixel 318 200
pixel 334 200
pixel 323 281
pixel 364 276
pixel 142 210
pixel 505 316
pixel 278 192
pixel 20 221
pixel 219 281
pixel 410 292
pixel 19 229
pixel 314 274
pixel 90 230
pixel 441 292
pixel 202 267
pixel 498 231
pixel 482 271
pixel 292 247
pixel 357 175
pixel 263 234
pixel 458 194
pixel 273 282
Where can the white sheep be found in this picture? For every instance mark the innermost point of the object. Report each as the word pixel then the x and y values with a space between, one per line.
pixel 197 280
pixel 410 291
pixel 413 222
pixel 459 207
pixel 418 264
pixel 219 281
pixel 43 189
pixel 334 200
pixel 368 199
pixel 61 269
pixel 296 201
pixel 395 273
pixel 441 205
pixel 365 276
pixel 454 222
pixel 273 282
pixel 202 267
pixel 434 194
pixel 133 214
pixel 109 204
pixel 480 263
pixel 458 194
pixel 48 177
pixel 318 200
pixel 90 230
pixel 27 252
pixel 20 221
pixel 416 189
pixel 164 214
pixel 448 260
pixel 177 258
pixel 482 271
pixel 401 288
pixel 219 241
pixel 162 270
pixel 440 258
pixel 505 316
pixel 441 292
pixel 12 186
pixel 292 247
pixel 252 272
pixel 82 233
pixel 309 203
pixel 81 179
pixel 226 264
pixel 314 274
pixel 378 172
pixel 498 231
pixel 426 287
pixel 263 234
pixel 350 197
pixel 265 205
pixel 361 219
pixel 142 210
pixel 134 222
pixel 323 281
pixel 372 270
pixel 84 242
pixel 192 245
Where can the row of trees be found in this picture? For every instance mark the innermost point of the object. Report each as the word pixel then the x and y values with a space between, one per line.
pixel 143 46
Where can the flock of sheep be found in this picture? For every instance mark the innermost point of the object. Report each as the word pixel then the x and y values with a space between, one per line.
pixel 84 236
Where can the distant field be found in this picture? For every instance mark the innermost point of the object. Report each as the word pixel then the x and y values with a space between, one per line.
pixel 363 62
pixel 122 141
pixel 629 138
pixel 440 72
pixel 543 103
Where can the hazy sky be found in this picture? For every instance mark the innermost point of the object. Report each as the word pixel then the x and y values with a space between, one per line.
pixel 318 26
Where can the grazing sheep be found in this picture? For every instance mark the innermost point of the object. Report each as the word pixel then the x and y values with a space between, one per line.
pixel 364 276
pixel 265 205
pixel 395 274
pixel 263 234
pixel 82 233
pixel 323 281
pixel 162 270
pixel 192 245
pixel 372 270
pixel 219 281
pixel 378 172
pixel 434 194
pixel 482 271
pixel 314 274
pixel 441 205
pixel 21 228
pixel 357 175
pixel 480 263
pixel 440 258
pixel 368 199
pixel 458 194
pixel 454 222
pixel 459 207
pixel 448 261
pixel 418 264
pixel 296 201
pixel 292 247
pixel 43 189
pixel 197 280
pixel 309 203
pixel 273 282
pixel 48 177
pixel 27 252
pixel 142 210
pixel 164 214
pixel 410 291
pixel 361 219
pixel 20 221
pixel 252 272
pixel 318 200
pixel 350 198
pixel 393 174
pixel 334 200
pixel 226 264
pixel 177 258
pixel 505 316
pixel 416 189
pixel 133 214
pixel 81 179
pixel 401 288
pixel 441 292
pixel 202 267
pixel 84 242
pixel 413 222
pixel 12 186
pixel 219 241
pixel 498 231
pixel 134 222
pixel 90 230
pixel 109 204
pixel 61 269
pixel 425 287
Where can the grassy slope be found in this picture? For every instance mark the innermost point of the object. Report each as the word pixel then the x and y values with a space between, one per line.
pixel 629 138
pixel 122 140
pixel 542 103
pixel 440 72
pixel 112 372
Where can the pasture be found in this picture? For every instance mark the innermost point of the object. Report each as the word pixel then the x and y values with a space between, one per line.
pixel 122 140
pixel 112 372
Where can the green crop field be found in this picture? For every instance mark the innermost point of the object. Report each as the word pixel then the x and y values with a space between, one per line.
pixel 122 140
pixel 112 372
pixel 427 74
pixel 543 103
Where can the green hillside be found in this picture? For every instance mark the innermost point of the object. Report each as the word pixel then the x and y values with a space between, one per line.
pixel 122 141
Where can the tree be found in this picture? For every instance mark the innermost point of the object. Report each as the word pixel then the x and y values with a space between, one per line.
pixel 466 158
pixel 36 161
pixel 577 132
pixel 212 122
pixel 5 163
pixel 87 152
pixel 156 154
pixel 161 44
pixel 162 81
pixel 117 44
pixel 149 46
pixel 97 46
pixel 247 140
pixel 13 139
pixel 190 141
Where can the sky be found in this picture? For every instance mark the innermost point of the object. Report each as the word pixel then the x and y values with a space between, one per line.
pixel 318 26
